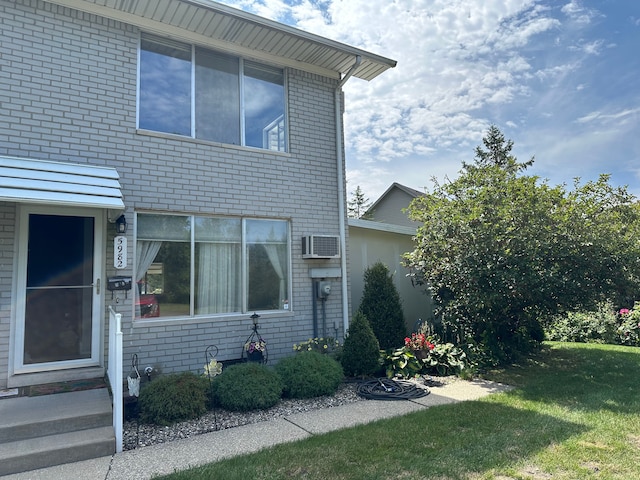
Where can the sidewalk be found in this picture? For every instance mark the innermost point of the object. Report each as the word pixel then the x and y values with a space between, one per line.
pixel 144 463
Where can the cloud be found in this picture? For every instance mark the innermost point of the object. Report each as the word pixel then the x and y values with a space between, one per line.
pixel 580 14
pixel 524 65
pixel 621 117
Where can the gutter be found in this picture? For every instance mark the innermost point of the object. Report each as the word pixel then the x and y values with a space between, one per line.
pixel 342 211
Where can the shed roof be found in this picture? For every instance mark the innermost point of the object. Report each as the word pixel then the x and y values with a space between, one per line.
pixel 216 25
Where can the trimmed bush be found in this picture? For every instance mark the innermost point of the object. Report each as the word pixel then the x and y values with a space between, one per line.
pixel 361 350
pixel 173 398
pixel 309 374
pixel 247 386
pixel 382 306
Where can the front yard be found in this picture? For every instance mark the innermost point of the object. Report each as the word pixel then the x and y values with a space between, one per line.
pixel 574 414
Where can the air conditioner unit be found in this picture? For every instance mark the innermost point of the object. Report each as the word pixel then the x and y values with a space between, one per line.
pixel 321 246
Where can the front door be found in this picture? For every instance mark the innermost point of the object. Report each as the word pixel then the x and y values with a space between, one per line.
pixel 58 317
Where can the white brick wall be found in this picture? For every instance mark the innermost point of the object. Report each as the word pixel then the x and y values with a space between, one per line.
pixel 68 93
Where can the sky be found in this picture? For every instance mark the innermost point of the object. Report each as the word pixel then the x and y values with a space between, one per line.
pixel 560 78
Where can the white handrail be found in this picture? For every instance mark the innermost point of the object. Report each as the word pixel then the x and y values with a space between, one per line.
pixel 114 372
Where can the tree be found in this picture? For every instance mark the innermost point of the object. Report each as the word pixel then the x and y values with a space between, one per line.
pixel 500 251
pixel 382 306
pixel 358 205
pixel 361 351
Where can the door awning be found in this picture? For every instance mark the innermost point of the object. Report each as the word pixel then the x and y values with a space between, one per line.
pixel 54 183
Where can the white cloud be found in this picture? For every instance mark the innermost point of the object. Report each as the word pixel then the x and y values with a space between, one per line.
pixel 577 12
pixel 524 65
pixel 620 117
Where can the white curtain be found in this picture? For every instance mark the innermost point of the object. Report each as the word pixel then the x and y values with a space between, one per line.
pixel 218 281
pixel 277 254
pixel 146 251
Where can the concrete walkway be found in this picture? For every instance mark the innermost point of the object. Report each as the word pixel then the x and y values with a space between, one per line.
pixel 146 462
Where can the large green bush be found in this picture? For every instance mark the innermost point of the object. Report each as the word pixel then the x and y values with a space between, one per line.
pixel 361 350
pixel 500 250
pixel 309 374
pixel 382 306
pixel 247 386
pixel 173 398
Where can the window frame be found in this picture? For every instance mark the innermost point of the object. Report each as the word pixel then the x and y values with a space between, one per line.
pixel 285 147
pixel 244 267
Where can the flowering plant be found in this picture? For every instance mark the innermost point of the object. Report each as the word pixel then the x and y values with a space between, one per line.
pixel 629 327
pixel 424 354
pixel 419 341
pixel 322 345
pixel 213 368
pixel 258 345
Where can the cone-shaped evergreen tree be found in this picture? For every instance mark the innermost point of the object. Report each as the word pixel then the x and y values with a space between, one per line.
pixel 361 351
pixel 382 306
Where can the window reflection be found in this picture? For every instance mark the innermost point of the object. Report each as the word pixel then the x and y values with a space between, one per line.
pixel 165 103
pixel 165 87
pixel 264 106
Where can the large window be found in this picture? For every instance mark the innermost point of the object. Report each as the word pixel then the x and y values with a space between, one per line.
pixel 192 265
pixel 193 91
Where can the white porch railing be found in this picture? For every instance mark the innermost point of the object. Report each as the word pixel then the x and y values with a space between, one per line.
pixel 114 372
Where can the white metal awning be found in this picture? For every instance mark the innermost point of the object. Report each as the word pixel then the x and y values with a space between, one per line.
pixel 54 183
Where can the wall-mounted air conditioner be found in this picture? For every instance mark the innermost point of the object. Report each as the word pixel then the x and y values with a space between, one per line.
pixel 321 246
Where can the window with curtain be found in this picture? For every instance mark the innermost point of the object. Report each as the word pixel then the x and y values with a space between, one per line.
pixel 197 265
pixel 197 92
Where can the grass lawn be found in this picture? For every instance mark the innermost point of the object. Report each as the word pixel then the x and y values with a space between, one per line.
pixel 574 414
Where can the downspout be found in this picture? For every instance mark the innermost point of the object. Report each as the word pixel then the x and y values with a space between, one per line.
pixel 341 197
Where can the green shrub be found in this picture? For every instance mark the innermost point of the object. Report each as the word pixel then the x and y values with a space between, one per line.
pixel 628 330
pixel 173 398
pixel 584 327
pixel 382 306
pixel 361 350
pixel 401 362
pixel 247 386
pixel 309 374
pixel 424 354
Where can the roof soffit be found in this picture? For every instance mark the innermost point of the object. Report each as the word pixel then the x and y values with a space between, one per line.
pixel 218 26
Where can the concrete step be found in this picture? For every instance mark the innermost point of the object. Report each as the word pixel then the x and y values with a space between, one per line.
pixel 41 452
pixel 28 417
pixel 47 430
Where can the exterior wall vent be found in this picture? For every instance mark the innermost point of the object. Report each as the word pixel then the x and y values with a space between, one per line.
pixel 321 246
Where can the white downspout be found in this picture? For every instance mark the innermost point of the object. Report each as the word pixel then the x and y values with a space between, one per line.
pixel 341 197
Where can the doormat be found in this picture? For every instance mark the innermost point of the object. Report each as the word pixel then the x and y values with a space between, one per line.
pixel 64 387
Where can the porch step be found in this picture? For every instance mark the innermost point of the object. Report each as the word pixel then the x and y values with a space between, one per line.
pixel 43 431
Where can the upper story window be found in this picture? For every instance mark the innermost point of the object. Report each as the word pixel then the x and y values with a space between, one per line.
pixel 196 265
pixel 200 93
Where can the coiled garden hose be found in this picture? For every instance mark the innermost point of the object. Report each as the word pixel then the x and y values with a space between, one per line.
pixel 387 389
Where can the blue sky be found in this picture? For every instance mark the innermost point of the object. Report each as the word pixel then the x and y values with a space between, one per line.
pixel 561 78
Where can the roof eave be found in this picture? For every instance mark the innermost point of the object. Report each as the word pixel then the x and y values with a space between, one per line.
pixel 342 55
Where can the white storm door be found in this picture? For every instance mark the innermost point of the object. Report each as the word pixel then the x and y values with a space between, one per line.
pixel 58 315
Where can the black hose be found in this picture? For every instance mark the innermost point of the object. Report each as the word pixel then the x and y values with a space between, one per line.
pixel 387 389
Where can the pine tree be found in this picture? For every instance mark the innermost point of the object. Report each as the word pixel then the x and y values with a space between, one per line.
pixel 358 205
pixel 361 351
pixel 382 306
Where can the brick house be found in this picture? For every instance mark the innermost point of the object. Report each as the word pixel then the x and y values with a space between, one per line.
pixel 212 138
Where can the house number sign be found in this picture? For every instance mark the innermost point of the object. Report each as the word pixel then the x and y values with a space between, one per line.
pixel 120 252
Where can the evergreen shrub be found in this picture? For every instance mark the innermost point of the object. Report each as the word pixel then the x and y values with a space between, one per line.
pixel 382 306
pixel 173 398
pixel 309 374
pixel 361 350
pixel 247 386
